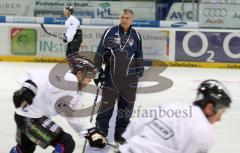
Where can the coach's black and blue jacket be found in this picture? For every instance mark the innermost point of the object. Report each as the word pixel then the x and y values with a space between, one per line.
pixel 115 41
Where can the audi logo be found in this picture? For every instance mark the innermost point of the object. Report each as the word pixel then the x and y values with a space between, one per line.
pixel 215 12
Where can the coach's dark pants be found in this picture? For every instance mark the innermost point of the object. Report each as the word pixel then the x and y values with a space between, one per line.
pixel 124 112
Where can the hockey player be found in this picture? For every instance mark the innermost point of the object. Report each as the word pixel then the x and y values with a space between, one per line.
pixel 123 44
pixel 180 134
pixel 38 100
pixel 73 35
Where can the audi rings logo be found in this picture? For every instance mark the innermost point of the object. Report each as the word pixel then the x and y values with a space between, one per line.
pixel 215 12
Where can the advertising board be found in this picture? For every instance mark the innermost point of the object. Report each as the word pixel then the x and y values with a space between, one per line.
pixel 219 16
pixel 197 46
pixel 31 40
pixel 95 9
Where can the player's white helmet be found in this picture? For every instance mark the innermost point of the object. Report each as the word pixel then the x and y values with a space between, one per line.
pixel 213 91
pixel 69 8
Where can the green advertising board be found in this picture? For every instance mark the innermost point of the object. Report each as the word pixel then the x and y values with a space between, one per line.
pixel 23 41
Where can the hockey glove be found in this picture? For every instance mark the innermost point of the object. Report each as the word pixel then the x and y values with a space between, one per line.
pixel 101 77
pixel 25 95
pixel 64 38
pixel 106 57
pixel 95 138
pixel 140 75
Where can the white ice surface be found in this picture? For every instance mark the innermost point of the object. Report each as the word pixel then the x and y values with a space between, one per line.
pixel 185 82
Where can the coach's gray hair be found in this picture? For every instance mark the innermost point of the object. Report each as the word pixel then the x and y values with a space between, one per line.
pixel 128 11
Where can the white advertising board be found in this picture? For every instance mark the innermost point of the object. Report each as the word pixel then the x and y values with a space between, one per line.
pixel 95 9
pixel 219 16
pixel 16 7
pixel 31 40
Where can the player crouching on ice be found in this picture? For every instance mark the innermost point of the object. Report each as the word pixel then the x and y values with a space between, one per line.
pixel 192 134
pixel 35 104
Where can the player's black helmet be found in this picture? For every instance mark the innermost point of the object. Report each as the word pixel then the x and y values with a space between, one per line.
pixel 213 91
pixel 69 8
pixel 83 64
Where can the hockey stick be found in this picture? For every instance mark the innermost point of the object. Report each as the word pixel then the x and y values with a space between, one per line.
pixel 94 105
pixel 113 146
pixel 51 34
pixel 91 118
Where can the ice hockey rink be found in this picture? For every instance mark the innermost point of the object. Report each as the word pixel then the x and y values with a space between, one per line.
pixel 183 90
